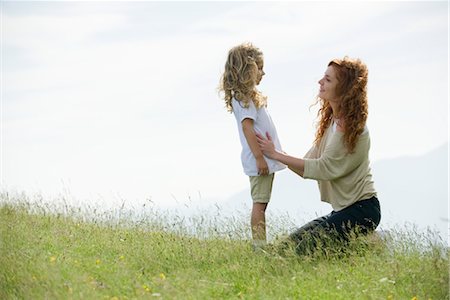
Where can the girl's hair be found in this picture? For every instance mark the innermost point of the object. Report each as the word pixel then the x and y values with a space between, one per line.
pixel 240 76
pixel 352 75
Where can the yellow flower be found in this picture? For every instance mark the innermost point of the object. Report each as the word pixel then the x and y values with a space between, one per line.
pixel 98 261
pixel 390 297
pixel 52 259
pixel 414 298
pixel 146 288
pixel 162 276
pixel 122 257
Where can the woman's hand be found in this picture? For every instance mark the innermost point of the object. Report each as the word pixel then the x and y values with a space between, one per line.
pixel 266 145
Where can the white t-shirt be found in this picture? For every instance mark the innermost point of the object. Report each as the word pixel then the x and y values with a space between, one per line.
pixel 262 123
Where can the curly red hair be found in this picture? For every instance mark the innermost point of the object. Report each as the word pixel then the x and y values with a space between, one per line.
pixel 352 76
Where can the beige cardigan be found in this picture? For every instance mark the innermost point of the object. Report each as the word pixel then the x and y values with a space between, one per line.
pixel 343 178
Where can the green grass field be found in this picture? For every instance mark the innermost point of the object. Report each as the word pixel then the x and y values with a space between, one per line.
pixel 51 255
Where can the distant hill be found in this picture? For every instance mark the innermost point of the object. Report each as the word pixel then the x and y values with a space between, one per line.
pixel 415 189
pixel 411 190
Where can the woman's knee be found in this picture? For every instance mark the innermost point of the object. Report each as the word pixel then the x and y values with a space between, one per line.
pixel 322 237
pixel 307 229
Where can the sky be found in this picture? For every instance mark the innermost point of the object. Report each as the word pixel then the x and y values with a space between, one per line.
pixel 111 101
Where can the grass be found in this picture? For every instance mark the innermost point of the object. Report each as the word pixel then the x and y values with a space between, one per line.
pixel 55 254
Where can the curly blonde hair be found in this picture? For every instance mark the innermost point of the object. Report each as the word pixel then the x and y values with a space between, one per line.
pixel 352 76
pixel 239 79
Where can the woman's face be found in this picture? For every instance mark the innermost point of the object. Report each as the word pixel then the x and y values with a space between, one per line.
pixel 328 85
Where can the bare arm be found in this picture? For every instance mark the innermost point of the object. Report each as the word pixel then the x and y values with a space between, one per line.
pixel 295 164
pixel 298 171
pixel 250 136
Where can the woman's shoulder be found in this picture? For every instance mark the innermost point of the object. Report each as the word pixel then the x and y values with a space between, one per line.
pixel 339 128
pixel 337 138
pixel 365 131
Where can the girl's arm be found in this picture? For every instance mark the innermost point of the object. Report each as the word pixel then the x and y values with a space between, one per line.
pixel 250 136
pixel 297 165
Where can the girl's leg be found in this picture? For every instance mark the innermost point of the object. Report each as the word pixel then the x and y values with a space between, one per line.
pixel 261 189
pixel 258 222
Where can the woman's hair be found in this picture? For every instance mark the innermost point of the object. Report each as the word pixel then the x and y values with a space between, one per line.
pixel 352 75
pixel 240 76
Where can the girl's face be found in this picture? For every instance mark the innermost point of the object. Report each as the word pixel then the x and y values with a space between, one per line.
pixel 260 64
pixel 328 85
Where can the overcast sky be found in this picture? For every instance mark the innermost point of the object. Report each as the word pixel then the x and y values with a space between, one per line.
pixel 119 99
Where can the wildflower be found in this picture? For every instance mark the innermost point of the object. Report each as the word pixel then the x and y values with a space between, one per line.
pixel 52 259
pixel 146 288
pixel 414 298
pixel 162 276
pixel 122 257
pixel 98 261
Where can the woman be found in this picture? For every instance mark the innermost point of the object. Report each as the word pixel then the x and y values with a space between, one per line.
pixel 339 158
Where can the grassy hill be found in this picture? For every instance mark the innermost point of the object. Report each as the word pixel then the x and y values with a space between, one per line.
pixel 51 255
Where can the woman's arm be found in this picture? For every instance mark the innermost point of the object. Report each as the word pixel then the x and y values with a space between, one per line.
pixel 295 164
pixel 296 171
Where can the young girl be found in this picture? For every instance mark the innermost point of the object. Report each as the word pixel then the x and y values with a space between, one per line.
pixel 243 72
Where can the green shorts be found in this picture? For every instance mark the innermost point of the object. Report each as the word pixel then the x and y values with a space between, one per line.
pixel 261 188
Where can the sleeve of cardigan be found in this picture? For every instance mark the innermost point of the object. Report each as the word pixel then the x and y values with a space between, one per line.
pixel 335 162
pixel 312 153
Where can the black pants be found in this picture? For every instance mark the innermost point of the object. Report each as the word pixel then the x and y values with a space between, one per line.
pixel 361 217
